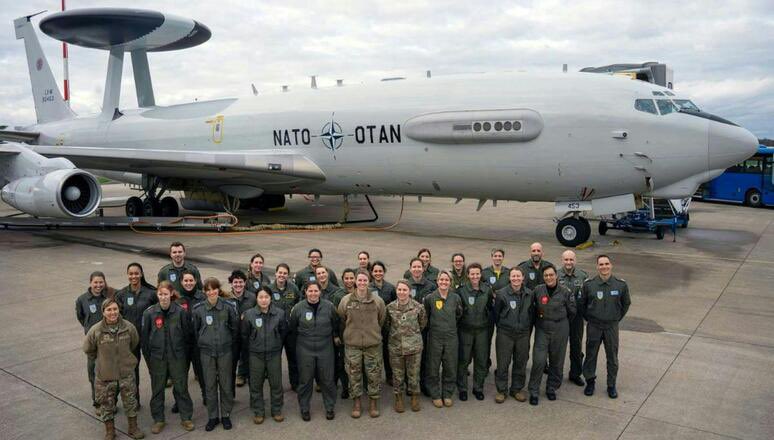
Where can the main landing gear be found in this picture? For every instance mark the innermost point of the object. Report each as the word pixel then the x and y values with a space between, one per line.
pixel 573 231
pixel 152 204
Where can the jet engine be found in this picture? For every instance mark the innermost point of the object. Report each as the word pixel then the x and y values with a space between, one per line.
pixel 48 187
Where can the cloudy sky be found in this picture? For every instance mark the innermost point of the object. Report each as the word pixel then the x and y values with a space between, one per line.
pixel 722 52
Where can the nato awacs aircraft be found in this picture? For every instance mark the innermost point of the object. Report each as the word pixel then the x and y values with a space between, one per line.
pixel 593 144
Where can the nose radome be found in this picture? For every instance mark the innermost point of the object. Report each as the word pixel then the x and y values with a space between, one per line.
pixel 729 145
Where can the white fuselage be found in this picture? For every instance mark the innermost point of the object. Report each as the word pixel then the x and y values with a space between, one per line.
pixel 579 150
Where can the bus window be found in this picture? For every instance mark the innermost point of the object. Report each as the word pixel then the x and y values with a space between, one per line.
pixel 645 105
pixel 665 106
pixel 753 166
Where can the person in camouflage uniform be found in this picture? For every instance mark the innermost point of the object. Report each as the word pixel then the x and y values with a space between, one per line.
pixel 88 310
pixel 362 316
pixel 406 318
pixel 110 343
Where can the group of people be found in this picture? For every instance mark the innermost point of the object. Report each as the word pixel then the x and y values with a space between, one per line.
pixel 423 332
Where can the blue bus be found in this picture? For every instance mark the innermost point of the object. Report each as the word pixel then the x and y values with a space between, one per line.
pixel 750 182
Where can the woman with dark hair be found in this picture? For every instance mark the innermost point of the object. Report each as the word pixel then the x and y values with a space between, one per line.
pixel 132 300
pixel 285 295
pixel 255 276
pixel 315 323
pixel 263 330
pixel 216 326
pixel 386 292
pixel 111 343
pixel 429 272
pixel 243 300
pixel 364 261
pixel 88 310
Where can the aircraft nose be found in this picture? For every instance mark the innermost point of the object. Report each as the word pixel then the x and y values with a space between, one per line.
pixel 729 144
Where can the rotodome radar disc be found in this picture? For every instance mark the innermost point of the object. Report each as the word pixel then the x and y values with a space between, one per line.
pixel 126 29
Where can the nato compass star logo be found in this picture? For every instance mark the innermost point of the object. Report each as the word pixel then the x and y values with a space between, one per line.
pixel 332 136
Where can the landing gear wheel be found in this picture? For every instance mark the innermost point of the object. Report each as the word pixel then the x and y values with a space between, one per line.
pixel 587 225
pixel 134 207
pixel 753 198
pixel 572 231
pixel 169 207
pixel 151 208
pixel 659 232
pixel 602 227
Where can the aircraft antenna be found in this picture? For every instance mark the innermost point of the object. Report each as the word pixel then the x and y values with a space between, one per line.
pixel 339 82
pixel 314 81
pixel 255 91
pixel 564 68
pixel 66 67
pixel 429 75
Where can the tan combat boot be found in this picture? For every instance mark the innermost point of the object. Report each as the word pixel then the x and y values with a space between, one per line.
pixel 399 403
pixel 134 432
pixel 356 408
pixel 110 430
pixel 415 403
pixel 373 408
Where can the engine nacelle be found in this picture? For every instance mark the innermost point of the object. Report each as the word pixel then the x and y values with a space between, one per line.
pixel 60 193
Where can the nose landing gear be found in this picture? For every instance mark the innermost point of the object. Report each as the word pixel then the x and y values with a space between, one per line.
pixel 573 231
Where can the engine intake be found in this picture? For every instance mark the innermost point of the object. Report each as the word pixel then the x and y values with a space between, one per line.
pixel 61 193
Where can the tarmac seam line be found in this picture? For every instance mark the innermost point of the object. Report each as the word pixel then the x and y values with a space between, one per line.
pixel 693 333
pixel 55 397
pixel 29 361
pixel 690 427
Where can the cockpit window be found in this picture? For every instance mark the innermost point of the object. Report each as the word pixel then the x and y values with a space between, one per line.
pixel 668 93
pixel 665 106
pixel 655 93
pixel 645 105
pixel 686 104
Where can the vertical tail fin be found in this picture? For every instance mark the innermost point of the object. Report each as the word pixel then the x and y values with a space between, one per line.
pixel 49 104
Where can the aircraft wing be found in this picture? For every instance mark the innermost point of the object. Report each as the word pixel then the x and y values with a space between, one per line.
pixel 266 166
